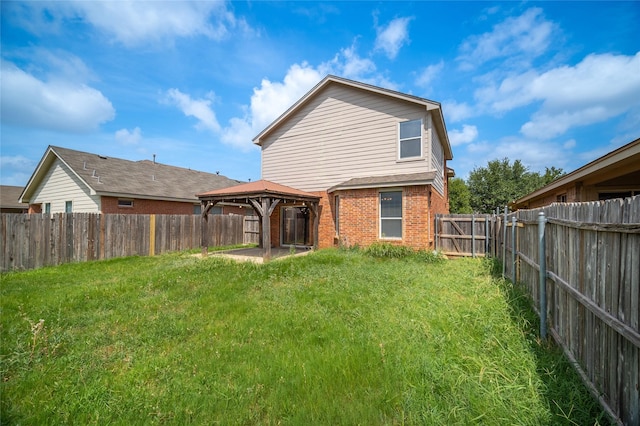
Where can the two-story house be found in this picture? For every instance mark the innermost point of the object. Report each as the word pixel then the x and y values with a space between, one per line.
pixel 374 160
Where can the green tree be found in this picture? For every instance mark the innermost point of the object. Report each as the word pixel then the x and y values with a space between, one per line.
pixel 502 182
pixel 459 196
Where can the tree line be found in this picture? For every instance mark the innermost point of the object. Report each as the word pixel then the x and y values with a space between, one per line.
pixel 496 185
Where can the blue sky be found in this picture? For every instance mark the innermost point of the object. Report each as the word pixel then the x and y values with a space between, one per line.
pixel 549 83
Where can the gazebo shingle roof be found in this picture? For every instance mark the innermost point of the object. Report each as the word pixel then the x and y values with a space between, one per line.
pixel 258 187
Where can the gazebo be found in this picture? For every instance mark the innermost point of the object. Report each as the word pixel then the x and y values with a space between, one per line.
pixel 264 196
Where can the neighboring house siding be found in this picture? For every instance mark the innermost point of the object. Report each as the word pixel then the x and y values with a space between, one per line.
pixel 340 134
pixel 61 185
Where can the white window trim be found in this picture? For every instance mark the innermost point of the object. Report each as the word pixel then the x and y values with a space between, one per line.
pixel 381 191
pixel 421 156
pixel 124 206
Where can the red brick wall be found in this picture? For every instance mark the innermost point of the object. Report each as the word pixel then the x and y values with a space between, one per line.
pixel 35 208
pixel 110 205
pixel 140 206
pixel 359 217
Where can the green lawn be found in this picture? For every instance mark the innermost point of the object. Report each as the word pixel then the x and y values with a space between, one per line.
pixel 333 338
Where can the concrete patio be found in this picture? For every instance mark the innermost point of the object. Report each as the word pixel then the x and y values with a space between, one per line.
pixel 254 254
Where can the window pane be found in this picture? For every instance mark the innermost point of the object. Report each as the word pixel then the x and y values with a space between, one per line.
pixel 391 204
pixel 410 148
pixel 68 207
pixel 391 228
pixel 410 129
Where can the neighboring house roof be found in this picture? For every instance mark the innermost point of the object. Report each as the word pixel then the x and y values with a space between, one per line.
pixel 108 176
pixel 257 188
pixel 10 198
pixel 331 79
pixel 622 161
pixel 386 181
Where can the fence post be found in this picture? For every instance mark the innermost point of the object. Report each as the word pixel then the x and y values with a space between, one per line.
pixel 486 236
pixel 473 235
pixel 543 276
pixel 513 249
pixel 504 242
pixel 152 235
pixel 436 232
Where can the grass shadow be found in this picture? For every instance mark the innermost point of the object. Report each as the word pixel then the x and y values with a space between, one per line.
pixel 568 399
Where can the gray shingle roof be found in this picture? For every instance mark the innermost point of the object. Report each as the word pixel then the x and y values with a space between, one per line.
pixel 142 179
pixel 10 196
pixel 386 181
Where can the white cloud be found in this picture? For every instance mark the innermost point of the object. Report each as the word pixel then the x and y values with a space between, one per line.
pixel 427 75
pixel 133 22
pixel 467 135
pixel 596 89
pixel 391 38
pixel 272 99
pixel 15 169
pixel 15 161
pixel 200 109
pixel 519 39
pixel 455 112
pixel 56 104
pixel 599 87
pixel 127 137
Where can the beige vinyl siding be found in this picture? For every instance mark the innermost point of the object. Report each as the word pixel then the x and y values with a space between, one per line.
pixel 61 185
pixel 437 162
pixel 341 134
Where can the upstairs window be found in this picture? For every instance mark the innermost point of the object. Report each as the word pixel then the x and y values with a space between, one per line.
pixel 410 141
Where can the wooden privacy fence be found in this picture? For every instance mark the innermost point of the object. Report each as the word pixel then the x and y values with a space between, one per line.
pixel 31 241
pixel 586 289
pixel 465 234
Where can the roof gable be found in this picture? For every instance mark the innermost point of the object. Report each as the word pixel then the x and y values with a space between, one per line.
pixel 117 177
pixel 434 107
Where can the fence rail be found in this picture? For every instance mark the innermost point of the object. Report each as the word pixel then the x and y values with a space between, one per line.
pixel 588 294
pixel 29 241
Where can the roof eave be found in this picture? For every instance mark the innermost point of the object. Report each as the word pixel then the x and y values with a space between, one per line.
pixel 257 194
pixel 632 148
pixel 341 187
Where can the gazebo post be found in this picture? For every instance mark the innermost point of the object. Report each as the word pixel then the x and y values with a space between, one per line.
pixel 204 235
pixel 266 230
pixel 316 224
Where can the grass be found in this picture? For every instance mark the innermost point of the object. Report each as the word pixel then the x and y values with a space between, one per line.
pixel 335 337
